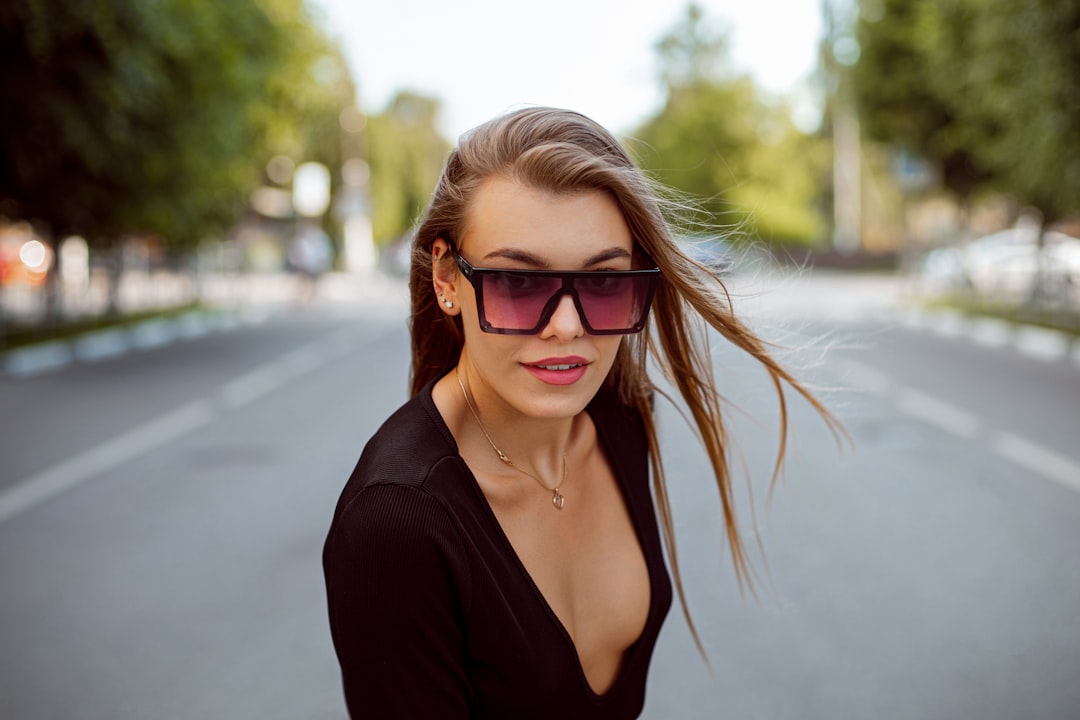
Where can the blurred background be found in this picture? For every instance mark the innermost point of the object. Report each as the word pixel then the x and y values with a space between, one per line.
pixel 205 216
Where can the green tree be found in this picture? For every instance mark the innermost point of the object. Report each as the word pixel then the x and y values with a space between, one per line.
pixel 898 90
pixel 299 112
pixel 718 141
pixel 1018 93
pixel 149 117
pixel 783 193
pixel 406 156
pixel 987 89
pixel 698 144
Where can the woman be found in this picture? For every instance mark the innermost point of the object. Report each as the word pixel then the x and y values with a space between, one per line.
pixel 496 554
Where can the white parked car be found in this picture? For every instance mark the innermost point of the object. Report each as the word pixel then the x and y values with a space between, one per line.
pixel 1005 266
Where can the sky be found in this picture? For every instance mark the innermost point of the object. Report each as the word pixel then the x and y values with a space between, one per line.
pixel 484 57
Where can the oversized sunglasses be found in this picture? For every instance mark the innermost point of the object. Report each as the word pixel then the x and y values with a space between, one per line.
pixel 521 302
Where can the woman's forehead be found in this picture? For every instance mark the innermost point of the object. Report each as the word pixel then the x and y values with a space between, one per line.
pixel 507 216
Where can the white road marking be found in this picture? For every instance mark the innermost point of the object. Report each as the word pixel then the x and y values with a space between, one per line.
pixel 302 360
pixel 1046 463
pixel 1040 460
pixel 251 386
pixel 103 457
pixel 865 377
pixel 67 474
pixel 937 412
pixel 339 344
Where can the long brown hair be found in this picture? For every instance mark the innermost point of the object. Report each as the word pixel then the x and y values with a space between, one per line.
pixel 564 152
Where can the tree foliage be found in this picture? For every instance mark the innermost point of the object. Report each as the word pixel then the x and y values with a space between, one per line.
pixel 717 140
pixel 406 156
pixel 154 117
pixel 893 84
pixel 989 90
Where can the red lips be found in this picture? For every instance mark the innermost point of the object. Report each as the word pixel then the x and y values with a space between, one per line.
pixel 565 370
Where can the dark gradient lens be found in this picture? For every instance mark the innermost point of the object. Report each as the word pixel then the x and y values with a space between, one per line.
pixel 516 301
pixel 613 302
pixel 521 302
pixel 524 301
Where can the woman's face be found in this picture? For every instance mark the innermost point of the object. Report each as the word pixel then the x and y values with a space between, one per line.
pixel 556 372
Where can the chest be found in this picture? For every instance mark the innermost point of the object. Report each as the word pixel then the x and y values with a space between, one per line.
pixel 587 564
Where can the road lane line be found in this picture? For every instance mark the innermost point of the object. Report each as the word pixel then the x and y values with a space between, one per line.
pixel 1042 461
pixel 67 474
pixel 302 360
pixel 269 376
pixel 76 470
pixel 862 376
pixel 341 343
pixel 251 386
pixel 937 412
pixel 1046 463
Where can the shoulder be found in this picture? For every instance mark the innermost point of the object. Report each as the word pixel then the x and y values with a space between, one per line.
pixel 395 526
pixel 404 484
pixel 411 446
pixel 412 440
pixel 393 520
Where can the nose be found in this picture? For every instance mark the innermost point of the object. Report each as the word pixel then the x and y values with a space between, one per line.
pixel 565 324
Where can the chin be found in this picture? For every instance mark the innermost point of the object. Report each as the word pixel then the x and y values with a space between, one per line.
pixel 555 401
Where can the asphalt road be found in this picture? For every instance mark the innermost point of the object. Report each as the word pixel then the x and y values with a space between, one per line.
pixel 162 513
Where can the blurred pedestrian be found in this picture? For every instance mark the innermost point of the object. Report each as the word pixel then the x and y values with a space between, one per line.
pixel 310 255
pixel 496 553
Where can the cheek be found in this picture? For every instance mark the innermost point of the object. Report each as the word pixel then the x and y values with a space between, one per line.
pixel 489 350
pixel 608 345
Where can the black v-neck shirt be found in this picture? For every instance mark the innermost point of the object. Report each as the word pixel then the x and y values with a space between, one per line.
pixel 433 614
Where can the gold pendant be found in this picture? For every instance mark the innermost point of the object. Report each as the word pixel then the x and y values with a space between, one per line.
pixel 557 500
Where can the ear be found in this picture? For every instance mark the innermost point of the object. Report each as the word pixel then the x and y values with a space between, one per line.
pixel 444 277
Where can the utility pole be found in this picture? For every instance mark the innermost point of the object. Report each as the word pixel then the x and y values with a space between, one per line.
pixel 839 51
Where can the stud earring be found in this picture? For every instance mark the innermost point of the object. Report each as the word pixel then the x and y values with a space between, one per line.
pixel 443 299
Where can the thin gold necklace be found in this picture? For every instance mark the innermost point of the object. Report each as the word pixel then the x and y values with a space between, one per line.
pixel 557 498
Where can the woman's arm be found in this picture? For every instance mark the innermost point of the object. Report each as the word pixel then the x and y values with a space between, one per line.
pixel 392 562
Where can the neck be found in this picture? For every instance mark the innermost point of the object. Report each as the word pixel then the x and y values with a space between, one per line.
pixel 535 445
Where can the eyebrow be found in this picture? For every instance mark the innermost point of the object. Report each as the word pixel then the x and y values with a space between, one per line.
pixel 523 256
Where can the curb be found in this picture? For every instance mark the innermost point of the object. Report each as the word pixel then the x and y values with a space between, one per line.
pixel 1029 340
pixel 98 345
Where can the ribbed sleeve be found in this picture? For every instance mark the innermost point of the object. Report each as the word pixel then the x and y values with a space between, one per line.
pixel 394 586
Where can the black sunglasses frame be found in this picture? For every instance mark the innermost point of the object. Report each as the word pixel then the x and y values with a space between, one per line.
pixel 475 277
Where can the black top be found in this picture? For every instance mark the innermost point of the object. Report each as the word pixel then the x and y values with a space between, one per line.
pixel 432 613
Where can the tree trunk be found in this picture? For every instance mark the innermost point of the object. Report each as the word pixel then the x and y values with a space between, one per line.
pixel 114 270
pixel 51 284
pixel 1041 286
